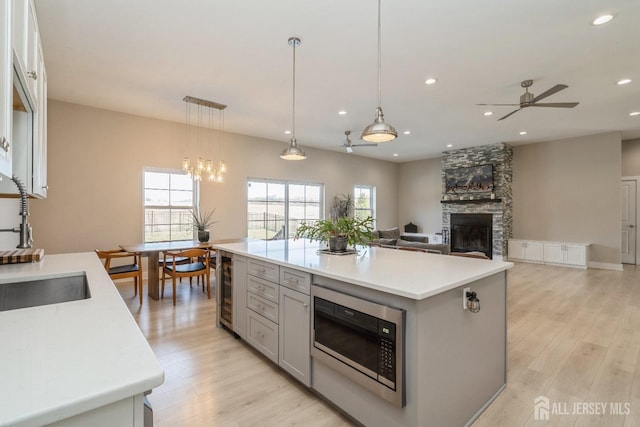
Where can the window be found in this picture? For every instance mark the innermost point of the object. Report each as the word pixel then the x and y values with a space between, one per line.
pixel 275 208
pixel 168 204
pixel 364 201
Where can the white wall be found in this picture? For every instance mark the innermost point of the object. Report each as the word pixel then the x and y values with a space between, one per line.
pixel 96 159
pixel 569 191
pixel 419 194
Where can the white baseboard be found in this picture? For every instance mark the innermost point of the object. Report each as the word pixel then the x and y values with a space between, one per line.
pixel 605 266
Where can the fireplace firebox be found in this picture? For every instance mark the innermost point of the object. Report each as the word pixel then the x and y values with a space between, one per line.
pixel 472 232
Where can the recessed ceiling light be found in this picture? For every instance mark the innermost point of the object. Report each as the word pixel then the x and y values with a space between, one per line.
pixel 624 81
pixel 603 19
pixel 523 132
pixel 342 113
pixel 395 154
pixel 407 132
pixel 430 81
pixel 287 132
pixel 488 113
pixel 635 113
pixel 449 145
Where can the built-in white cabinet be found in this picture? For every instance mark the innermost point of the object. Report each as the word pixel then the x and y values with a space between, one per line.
pixel 295 321
pixel 566 254
pixel 262 334
pixel 23 100
pixel 6 87
pixel 526 250
pixel 556 253
pixel 239 298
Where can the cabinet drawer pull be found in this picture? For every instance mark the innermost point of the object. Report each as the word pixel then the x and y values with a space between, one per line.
pixel 33 75
pixel 305 305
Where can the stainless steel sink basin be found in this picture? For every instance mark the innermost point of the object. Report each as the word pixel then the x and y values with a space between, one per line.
pixel 34 292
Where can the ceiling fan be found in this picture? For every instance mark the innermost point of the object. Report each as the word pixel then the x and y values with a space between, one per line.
pixel 528 100
pixel 348 146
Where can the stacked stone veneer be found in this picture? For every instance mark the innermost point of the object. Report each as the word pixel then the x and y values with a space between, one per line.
pixel 500 156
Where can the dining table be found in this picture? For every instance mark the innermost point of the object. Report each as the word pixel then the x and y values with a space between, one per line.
pixel 152 251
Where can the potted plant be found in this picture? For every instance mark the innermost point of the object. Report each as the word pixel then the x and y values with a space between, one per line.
pixel 338 233
pixel 202 222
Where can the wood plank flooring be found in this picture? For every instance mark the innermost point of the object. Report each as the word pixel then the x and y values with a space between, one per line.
pixel 573 336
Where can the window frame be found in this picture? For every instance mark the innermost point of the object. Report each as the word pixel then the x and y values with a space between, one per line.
pixel 195 200
pixel 372 201
pixel 286 184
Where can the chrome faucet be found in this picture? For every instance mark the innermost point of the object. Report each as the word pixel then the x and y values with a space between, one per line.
pixel 26 240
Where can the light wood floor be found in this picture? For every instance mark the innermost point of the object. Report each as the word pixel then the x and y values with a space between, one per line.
pixel 573 336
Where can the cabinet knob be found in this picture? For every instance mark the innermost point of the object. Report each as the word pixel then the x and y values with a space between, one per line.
pixel 33 75
pixel 46 187
pixel 4 144
pixel 305 305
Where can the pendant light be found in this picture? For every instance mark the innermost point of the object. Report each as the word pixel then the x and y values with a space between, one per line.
pixel 379 131
pixel 293 151
pixel 200 168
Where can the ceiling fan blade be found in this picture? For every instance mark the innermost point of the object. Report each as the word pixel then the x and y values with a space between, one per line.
pixel 556 104
pixel 555 89
pixel 503 105
pixel 364 145
pixel 513 112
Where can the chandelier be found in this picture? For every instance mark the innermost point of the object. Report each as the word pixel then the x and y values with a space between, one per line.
pixel 200 138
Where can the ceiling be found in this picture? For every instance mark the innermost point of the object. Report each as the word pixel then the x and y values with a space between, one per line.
pixel 143 57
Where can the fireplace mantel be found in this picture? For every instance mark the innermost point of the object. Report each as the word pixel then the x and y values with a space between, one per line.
pixel 472 201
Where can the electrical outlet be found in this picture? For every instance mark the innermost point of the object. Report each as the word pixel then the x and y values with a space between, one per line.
pixel 464 297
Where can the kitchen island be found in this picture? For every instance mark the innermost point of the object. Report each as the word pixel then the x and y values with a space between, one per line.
pixel 76 363
pixel 454 361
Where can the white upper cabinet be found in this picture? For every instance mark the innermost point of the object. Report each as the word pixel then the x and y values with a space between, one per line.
pixel 39 168
pixel 26 45
pixel 6 94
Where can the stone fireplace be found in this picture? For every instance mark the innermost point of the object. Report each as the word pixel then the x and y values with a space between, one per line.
pixel 493 208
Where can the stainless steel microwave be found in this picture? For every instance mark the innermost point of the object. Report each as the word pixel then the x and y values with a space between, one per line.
pixel 361 339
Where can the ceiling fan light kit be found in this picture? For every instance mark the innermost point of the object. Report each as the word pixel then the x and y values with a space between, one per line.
pixel 379 131
pixel 293 151
pixel 528 99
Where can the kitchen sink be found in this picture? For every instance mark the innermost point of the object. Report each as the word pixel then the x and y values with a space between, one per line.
pixel 35 292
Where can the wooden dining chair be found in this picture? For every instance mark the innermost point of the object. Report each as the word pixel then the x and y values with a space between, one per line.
pixel 198 267
pixel 134 269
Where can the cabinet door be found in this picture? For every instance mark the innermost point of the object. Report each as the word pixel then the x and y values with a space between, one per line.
pixel 295 331
pixel 576 255
pixel 31 63
pixel 239 299
pixel 553 253
pixel 534 251
pixel 516 249
pixel 263 335
pixel 40 186
pixel 6 87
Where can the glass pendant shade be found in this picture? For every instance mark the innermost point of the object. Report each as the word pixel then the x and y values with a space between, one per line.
pixel 293 152
pixel 379 131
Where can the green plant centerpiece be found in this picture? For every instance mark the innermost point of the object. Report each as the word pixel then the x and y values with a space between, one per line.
pixel 201 222
pixel 338 233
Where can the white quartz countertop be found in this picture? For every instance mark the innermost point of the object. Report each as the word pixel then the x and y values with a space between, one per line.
pixel 415 275
pixel 63 359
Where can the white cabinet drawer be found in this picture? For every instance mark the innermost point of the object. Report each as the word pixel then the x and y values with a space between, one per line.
pixel 264 288
pixel 264 270
pixel 263 335
pixel 263 306
pixel 295 279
